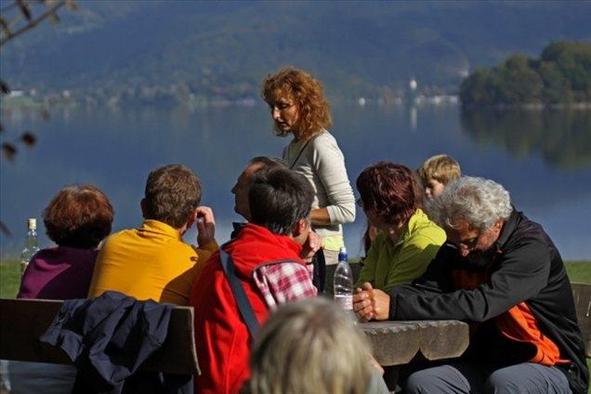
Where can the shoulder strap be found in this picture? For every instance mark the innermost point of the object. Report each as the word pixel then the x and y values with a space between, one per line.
pixel 293 163
pixel 239 295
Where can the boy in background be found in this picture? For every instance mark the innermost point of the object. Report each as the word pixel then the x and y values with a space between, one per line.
pixel 436 172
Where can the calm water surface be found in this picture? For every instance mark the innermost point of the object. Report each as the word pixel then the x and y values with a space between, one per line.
pixel 543 159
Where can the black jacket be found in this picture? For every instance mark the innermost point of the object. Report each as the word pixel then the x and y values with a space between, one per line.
pixel 526 267
pixel 108 338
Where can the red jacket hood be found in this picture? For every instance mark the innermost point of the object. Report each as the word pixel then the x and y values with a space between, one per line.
pixel 256 245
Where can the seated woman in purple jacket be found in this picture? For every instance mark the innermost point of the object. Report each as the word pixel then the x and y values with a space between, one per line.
pixel 77 220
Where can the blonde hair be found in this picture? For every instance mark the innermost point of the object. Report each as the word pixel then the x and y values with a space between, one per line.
pixel 313 108
pixel 442 168
pixel 309 347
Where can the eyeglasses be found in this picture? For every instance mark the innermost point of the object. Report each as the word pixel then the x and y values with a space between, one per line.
pixel 469 244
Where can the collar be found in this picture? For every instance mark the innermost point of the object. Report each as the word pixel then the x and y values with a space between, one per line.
pixel 158 227
pixel 296 142
pixel 236 228
pixel 417 219
pixel 508 228
pixel 254 232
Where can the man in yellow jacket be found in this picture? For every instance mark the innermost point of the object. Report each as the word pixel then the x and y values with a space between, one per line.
pixel 152 261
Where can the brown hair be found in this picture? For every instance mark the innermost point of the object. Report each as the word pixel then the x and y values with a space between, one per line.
pixel 267 163
pixel 390 190
pixel 172 194
pixel 313 109
pixel 442 168
pixel 78 216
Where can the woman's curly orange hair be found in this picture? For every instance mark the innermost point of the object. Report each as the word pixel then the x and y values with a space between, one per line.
pixel 313 109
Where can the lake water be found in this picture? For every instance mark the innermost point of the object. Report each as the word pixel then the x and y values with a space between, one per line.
pixel 542 158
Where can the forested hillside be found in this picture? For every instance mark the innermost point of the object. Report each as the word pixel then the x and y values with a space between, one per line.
pixel 561 75
pixel 153 50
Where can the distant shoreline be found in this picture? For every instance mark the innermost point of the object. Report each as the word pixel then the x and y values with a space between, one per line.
pixel 529 107
pixel 30 103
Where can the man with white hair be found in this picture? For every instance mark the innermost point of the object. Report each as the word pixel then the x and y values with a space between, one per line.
pixel 501 273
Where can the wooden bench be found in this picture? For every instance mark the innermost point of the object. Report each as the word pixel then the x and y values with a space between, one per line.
pixel 24 321
pixel 582 295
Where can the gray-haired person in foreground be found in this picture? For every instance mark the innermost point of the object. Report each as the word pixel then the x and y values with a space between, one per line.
pixel 312 346
pixel 500 272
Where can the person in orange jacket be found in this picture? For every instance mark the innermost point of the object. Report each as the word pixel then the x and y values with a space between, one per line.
pixel 500 272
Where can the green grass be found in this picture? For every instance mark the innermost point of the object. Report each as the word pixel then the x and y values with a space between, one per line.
pixel 10 273
pixel 579 271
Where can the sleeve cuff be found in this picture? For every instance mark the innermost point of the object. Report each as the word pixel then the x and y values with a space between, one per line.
pixel 210 246
pixel 392 311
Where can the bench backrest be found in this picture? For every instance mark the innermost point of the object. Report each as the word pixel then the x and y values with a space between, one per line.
pixel 24 321
pixel 582 295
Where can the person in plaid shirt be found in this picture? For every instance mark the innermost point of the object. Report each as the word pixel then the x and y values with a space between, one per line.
pixel 265 277
pixel 267 254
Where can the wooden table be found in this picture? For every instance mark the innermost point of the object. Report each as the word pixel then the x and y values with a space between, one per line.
pixel 397 342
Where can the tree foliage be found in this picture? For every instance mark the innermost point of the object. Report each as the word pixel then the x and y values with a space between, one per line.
pixel 562 75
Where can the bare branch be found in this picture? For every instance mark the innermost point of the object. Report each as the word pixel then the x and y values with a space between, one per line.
pixel 4 229
pixel 71 4
pixel 25 9
pixel 5 27
pixel 34 22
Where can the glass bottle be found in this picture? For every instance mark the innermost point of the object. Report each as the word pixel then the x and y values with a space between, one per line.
pixel 31 244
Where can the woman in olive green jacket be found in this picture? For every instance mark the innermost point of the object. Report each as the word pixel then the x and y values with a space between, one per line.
pixel 407 240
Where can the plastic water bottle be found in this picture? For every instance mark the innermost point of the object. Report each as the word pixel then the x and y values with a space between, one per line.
pixel 343 282
pixel 31 244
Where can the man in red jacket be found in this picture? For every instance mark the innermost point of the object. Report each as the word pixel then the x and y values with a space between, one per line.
pixel 266 256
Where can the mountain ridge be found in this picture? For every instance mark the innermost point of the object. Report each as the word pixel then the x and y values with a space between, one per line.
pixel 225 49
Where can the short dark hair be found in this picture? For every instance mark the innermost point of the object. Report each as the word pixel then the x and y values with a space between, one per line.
pixel 279 198
pixel 268 162
pixel 390 190
pixel 79 216
pixel 172 194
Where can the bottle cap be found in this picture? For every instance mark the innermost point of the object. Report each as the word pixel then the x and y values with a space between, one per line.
pixel 32 223
pixel 342 254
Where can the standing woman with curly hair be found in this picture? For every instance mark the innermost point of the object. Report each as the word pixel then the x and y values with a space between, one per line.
pixel 299 108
